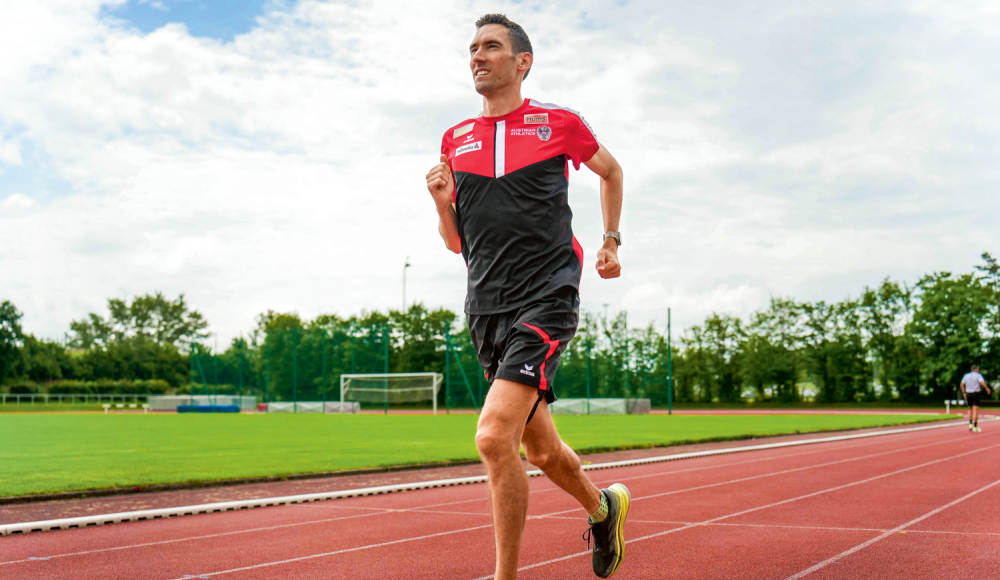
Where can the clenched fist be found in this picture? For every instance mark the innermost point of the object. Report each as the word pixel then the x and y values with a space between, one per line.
pixel 607 260
pixel 441 183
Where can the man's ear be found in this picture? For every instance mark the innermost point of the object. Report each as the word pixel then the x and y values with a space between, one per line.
pixel 527 59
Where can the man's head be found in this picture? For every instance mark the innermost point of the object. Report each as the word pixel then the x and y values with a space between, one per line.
pixel 500 54
pixel 975 368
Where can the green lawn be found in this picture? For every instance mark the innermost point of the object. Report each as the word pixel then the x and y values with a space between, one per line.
pixel 48 453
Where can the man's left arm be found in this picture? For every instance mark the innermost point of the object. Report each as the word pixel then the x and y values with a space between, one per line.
pixel 605 166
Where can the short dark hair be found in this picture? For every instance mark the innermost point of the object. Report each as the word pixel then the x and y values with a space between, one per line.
pixel 975 368
pixel 519 41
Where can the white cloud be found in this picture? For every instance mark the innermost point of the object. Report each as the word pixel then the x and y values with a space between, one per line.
pixel 16 201
pixel 765 153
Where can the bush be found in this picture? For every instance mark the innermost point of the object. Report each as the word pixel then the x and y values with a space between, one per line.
pixel 150 387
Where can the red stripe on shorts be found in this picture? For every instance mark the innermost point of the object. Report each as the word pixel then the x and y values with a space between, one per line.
pixel 553 345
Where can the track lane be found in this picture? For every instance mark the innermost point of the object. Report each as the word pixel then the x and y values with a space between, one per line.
pixel 461 498
pixel 402 528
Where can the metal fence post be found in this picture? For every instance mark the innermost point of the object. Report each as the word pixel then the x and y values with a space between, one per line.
pixel 670 370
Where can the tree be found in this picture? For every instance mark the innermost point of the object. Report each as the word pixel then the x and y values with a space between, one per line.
pixel 11 338
pixel 770 357
pixel 151 317
pixel 950 324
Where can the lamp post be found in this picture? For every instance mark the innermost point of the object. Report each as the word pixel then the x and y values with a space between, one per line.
pixel 405 266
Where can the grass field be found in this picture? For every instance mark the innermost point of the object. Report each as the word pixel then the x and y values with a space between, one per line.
pixel 45 453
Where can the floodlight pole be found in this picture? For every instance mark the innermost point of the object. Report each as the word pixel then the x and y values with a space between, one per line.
pixel 670 371
pixel 405 266
pixel 588 364
pixel 295 370
pixel 322 342
pixel 447 369
pixel 385 364
pixel 626 366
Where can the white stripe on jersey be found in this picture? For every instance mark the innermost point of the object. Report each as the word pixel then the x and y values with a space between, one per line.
pixel 498 147
pixel 534 103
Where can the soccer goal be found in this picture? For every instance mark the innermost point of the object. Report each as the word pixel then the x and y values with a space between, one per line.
pixel 391 389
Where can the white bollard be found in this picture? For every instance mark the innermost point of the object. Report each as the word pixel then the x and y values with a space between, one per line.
pixel 947 407
pixel 106 407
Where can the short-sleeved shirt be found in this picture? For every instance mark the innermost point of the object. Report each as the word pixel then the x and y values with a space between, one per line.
pixel 971 382
pixel 512 201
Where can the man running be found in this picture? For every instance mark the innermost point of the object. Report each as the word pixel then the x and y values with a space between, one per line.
pixel 970 386
pixel 501 190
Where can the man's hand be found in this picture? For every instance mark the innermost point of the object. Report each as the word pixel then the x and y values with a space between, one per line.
pixel 441 184
pixel 607 260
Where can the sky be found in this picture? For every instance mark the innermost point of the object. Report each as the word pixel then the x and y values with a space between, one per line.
pixel 259 155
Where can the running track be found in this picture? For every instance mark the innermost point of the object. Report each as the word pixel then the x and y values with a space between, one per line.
pixel 916 505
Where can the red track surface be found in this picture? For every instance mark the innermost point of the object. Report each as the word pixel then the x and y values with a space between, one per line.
pixel 918 505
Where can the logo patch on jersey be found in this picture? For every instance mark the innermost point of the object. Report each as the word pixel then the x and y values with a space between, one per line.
pixel 527 370
pixel 544 132
pixel 470 147
pixel 522 131
pixel 536 119
pixel 463 130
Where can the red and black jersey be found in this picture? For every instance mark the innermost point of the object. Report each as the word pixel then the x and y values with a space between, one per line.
pixel 512 200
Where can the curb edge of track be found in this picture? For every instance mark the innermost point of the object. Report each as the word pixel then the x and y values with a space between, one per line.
pixel 163 513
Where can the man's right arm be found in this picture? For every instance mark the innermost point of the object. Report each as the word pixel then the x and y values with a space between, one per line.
pixel 441 185
pixel 448 228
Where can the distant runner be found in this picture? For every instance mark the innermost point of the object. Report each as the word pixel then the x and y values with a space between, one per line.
pixel 501 190
pixel 970 386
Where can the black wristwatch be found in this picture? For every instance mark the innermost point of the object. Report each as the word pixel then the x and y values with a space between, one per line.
pixel 616 236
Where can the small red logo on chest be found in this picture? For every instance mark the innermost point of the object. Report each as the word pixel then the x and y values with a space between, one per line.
pixel 536 119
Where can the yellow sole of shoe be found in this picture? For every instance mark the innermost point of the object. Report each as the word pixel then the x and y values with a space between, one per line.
pixel 624 499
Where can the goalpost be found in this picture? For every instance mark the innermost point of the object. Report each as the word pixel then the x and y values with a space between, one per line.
pixel 390 388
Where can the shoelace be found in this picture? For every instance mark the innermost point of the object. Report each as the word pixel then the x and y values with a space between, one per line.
pixel 592 533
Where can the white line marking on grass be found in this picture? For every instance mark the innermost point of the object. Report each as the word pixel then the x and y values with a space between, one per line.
pixel 381 511
pixel 751 510
pixel 101 520
pixel 879 538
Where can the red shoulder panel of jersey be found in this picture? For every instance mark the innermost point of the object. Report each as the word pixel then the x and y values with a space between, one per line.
pixel 534 132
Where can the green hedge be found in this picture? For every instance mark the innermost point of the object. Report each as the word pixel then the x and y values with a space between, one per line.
pixel 148 387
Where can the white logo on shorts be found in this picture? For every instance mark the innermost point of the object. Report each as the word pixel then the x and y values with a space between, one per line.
pixel 527 370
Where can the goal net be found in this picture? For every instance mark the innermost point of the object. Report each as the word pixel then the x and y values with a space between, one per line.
pixel 391 389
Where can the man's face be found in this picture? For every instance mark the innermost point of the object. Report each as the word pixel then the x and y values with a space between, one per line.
pixel 493 62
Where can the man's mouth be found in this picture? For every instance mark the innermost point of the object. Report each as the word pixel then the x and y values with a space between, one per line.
pixel 481 72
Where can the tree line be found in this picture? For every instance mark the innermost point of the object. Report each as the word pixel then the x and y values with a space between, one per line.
pixel 893 342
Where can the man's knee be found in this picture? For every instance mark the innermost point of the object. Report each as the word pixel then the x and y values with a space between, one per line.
pixel 493 444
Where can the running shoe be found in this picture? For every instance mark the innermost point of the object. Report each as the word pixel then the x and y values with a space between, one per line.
pixel 609 535
pixel 971 428
pixel 978 430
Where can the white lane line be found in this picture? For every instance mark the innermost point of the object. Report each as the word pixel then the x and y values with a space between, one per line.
pixel 751 510
pixel 881 537
pixel 781 526
pixel 344 551
pixel 490 525
pixel 774 473
pixel 161 513
pixel 380 511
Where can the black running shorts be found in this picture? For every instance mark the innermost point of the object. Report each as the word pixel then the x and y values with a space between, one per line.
pixel 972 399
pixel 525 345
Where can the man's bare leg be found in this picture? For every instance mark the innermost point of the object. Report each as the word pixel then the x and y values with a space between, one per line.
pixel 546 450
pixel 498 439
